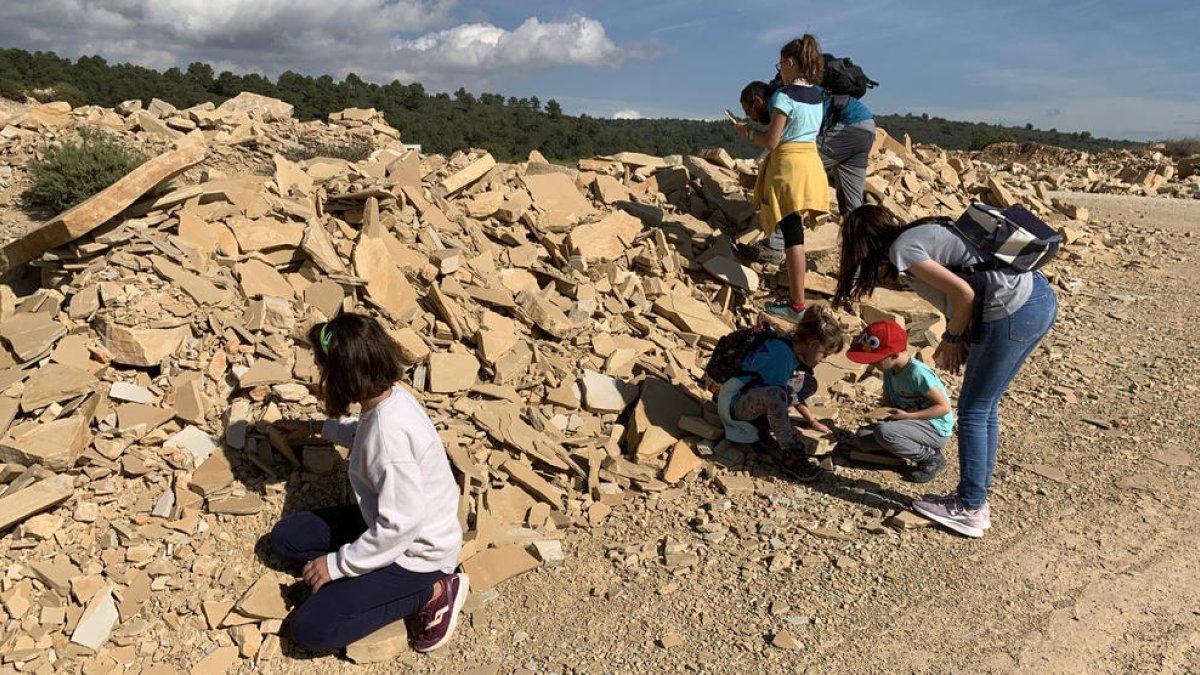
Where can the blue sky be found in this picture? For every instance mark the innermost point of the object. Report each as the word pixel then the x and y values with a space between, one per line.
pixel 1119 69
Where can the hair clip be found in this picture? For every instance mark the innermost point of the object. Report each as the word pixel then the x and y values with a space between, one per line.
pixel 325 337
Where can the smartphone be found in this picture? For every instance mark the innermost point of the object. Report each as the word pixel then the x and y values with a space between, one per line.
pixel 731 117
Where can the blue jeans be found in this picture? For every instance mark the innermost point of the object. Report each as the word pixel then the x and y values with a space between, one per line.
pixel 992 363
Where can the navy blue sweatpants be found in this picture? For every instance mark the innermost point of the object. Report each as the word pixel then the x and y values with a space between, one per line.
pixel 352 607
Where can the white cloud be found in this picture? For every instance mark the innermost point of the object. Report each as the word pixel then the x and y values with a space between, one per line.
pixel 311 36
pixel 476 50
pixel 373 38
pixel 627 114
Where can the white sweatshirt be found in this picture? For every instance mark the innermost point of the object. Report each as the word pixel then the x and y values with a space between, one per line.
pixel 406 492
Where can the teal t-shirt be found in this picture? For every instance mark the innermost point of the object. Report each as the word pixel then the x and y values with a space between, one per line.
pixel 804 109
pixel 774 361
pixel 907 388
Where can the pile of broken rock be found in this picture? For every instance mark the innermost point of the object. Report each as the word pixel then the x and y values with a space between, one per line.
pixel 555 319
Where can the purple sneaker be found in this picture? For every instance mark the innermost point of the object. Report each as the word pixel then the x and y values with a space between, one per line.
pixel 986 508
pixel 436 621
pixel 951 512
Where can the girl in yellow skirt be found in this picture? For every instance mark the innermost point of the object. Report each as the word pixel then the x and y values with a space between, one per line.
pixel 791 189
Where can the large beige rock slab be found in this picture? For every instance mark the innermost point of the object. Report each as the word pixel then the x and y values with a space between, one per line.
pixel 654 424
pixel 385 644
pixel 691 315
pixel 55 445
pixel 36 498
pixel 143 347
pixel 257 106
pixel 605 239
pixel 387 286
pixel 556 192
pixel 102 207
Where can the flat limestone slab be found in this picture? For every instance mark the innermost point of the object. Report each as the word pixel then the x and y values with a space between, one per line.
pixel 103 206
pixel 36 498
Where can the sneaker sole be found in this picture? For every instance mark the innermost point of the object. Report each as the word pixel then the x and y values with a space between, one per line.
pixel 464 588
pixel 965 530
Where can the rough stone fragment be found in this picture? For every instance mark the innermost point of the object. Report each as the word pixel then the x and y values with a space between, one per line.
pixel 143 347
pixel 38 497
pixel 469 174
pixel 31 334
pixel 264 371
pixel 54 383
pixel 604 394
pixel 682 462
pixel 605 239
pixel 55 445
pixel 385 644
pixel 654 424
pixel 490 567
pixel 452 372
pixel 556 192
pixel 264 599
pixel 97 621
pixel 732 272
pixel 258 278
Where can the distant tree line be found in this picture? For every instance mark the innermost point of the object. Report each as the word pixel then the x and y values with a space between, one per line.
pixel 508 127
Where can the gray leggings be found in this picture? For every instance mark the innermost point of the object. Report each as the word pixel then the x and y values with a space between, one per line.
pixel 915 440
pixel 774 402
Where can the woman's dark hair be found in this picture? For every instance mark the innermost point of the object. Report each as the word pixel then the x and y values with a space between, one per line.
pixel 807 53
pixel 867 234
pixel 758 90
pixel 818 325
pixel 357 360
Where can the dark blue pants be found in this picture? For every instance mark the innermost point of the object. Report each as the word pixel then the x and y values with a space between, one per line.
pixel 353 607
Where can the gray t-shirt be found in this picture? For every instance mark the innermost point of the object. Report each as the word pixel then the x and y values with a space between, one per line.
pixel 1007 292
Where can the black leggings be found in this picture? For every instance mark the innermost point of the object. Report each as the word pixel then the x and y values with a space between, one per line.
pixel 793 230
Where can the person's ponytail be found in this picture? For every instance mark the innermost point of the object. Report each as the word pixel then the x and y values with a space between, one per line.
pixel 812 63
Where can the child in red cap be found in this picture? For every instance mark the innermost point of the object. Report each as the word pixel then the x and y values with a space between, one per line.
pixel 923 422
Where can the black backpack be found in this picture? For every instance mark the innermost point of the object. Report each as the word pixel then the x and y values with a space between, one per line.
pixel 732 349
pixel 844 78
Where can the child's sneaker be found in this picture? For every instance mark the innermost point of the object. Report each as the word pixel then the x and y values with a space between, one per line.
pixel 952 512
pixel 436 621
pixel 784 311
pixel 928 468
pixel 802 468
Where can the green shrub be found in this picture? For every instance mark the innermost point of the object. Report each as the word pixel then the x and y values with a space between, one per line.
pixel 75 170
pixel 985 137
pixel 1183 147
pixel 61 91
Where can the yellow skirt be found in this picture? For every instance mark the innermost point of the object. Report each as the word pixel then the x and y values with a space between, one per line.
pixel 791 180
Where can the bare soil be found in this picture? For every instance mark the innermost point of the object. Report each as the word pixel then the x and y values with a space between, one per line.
pixel 1090 565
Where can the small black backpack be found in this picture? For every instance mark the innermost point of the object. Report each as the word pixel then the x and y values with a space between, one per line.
pixel 844 78
pixel 732 349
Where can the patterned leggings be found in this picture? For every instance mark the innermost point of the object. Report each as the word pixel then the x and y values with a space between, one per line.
pixel 774 403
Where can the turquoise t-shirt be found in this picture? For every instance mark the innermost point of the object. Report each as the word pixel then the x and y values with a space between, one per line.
pixel 853 113
pixel 804 108
pixel 907 388
pixel 774 361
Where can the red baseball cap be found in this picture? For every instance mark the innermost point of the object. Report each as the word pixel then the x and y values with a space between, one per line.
pixel 878 341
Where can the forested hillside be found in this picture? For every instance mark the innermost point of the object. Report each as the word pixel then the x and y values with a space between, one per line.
pixel 508 127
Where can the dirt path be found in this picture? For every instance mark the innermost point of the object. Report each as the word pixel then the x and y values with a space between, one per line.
pixel 1090 567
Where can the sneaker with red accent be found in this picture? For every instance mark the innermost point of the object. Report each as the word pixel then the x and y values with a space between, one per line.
pixel 952 513
pixel 436 621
